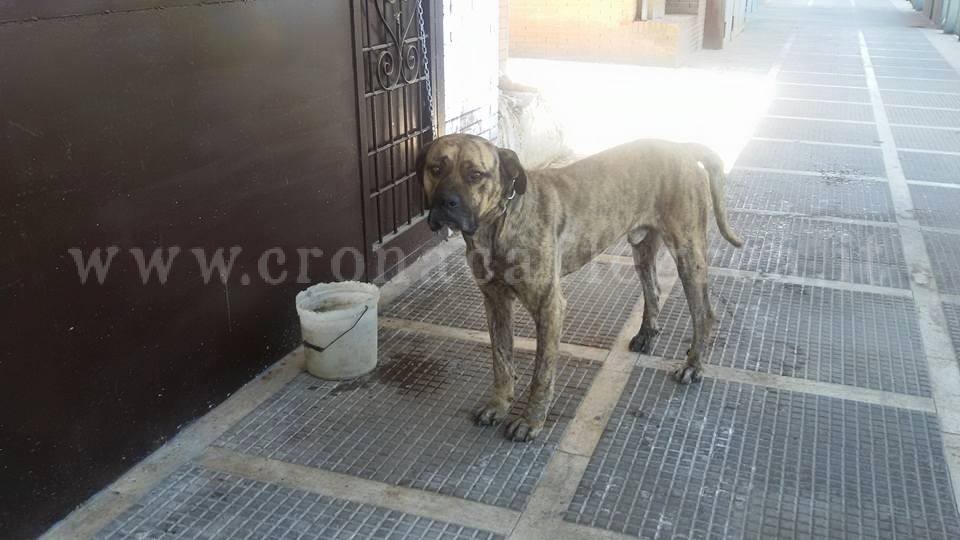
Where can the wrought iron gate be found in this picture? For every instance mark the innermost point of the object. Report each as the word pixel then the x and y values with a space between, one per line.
pixel 394 91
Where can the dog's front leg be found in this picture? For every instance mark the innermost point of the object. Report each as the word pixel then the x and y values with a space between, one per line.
pixel 547 313
pixel 498 301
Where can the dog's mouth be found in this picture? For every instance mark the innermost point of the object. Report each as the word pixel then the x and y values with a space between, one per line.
pixel 438 218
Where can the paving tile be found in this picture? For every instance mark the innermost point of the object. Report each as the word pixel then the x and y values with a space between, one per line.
pixel 930 167
pixel 944 251
pixel 409 423
pixel 196 502
pixel 818 131
pixel 800 91
pixel 927 139
pixel 936 206
pixel 805 247
pixel 820 109
pixel 729 460
pixel 823 334
pixel 821 79
pixel 923 117
pixel 599 298
pixel 835 160
pixel 825 195
pixel 915 99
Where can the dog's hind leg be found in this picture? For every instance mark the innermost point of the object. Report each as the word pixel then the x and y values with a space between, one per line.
pixel 498 301
pixel 690 254
pixel 645 261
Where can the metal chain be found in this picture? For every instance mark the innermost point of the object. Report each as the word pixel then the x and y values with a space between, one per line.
pixel 426 65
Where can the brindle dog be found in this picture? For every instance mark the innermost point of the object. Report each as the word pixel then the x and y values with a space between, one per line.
pixel 525 230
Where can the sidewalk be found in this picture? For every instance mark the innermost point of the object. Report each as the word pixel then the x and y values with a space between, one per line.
pixel 831 405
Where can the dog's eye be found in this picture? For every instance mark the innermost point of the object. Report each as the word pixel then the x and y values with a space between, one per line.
pixel 475 175
pixel 435 171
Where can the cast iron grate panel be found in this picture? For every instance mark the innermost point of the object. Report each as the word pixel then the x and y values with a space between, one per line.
pixel 891 83
pixel 800 91
pixel 823 334
pixel 893 97
pixel 835 67
pixel 410 424
pixel 730 460
pixel 818 131
pixel 822 79
pixel 923 117
pixel 936 206
pixel 930 167
pixel 822 109
pixel 915 72
pixel 599 298
pixel 944 251
pixel 952 314
pixel 915 62
pixel 835 160
pixel 197 502
pixel 805 247
pixel 824 195
pixel 927 139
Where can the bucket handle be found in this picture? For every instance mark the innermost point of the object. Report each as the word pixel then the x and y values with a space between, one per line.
pixel 309 345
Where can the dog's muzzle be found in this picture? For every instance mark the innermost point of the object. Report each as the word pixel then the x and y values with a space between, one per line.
pixel 449 211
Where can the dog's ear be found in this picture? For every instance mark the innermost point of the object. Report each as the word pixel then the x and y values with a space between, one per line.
pixel 511 172
pixel 422 161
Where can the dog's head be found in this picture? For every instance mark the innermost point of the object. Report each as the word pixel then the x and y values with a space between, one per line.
pixel 467 179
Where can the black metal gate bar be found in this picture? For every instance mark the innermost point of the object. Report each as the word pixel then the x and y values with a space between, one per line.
pixel 394 116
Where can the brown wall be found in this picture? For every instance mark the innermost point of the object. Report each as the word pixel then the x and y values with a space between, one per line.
pixel 228 124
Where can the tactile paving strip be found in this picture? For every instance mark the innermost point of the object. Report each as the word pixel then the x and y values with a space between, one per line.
pixel 196 502
pixel 812 157
pixel 892 97
pixel 824 195
pixel 815 130
pixel 944 251
pixel 930 167
pixel 730 460
pixel 599 299
pixel 409 423
pixel 811 248
pixel 936 206
pixel 801 91
pixel 821 109
pixel 822 334
pixel 923 117
pixel 927 139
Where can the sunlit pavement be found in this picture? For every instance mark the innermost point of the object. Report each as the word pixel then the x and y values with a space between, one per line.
pixel 831 406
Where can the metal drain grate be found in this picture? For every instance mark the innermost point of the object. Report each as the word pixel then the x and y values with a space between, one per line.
pixel 830 160
pixel 599 298
pixel 822 109
pixel 927 139
pixel 816 130
pixel 944 250
pixel 823 79
pixel 893 97
pixel 936 206
pixel 891 83
pixel 930 167
pixel 196 502
pixel 828 93
pixel 824 195
pixel 923 117
pixel 915 72
pixel 729 460
pixel 823 334
pixel 952 314
pixel 817 249
pixel 409 423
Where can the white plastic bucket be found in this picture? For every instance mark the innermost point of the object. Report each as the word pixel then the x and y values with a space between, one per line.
pixel 338 322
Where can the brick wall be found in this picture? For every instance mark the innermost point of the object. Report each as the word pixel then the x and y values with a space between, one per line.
pixel 471 66
pixel 603 30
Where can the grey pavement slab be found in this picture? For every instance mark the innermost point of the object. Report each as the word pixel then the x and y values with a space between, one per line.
pixel 812 157
pixel 599 298
pixel 409 423
pixel 838 336
pixel 196 502
pixel 825 195
pixel 729 460
pixel 804 247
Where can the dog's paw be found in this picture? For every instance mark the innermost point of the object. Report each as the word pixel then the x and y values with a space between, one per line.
pixel 643 341
pixel 490 413
pixel 687 374
pixel 520 430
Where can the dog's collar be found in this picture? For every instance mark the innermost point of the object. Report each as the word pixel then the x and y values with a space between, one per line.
pixel 506 202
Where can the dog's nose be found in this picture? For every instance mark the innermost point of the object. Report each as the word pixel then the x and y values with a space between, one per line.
pixel 450 202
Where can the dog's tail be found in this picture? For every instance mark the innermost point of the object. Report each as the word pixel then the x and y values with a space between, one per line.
pixel 713 164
